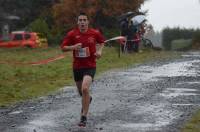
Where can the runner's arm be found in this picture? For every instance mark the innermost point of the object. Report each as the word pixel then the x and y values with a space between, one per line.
pixel 72 47
pixel 68 43
pixel 99 50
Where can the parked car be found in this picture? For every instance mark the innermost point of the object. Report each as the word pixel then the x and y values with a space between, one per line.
pixel 24 39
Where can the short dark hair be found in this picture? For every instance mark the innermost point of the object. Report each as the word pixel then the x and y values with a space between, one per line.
pixel 83 14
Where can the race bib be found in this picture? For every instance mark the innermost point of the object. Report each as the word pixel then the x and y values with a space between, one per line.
pixel 83 52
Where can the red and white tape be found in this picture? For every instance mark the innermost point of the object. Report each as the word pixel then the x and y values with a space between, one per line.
pixel 46 61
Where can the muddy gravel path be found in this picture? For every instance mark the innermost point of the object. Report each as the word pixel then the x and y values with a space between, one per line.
pixel 153 97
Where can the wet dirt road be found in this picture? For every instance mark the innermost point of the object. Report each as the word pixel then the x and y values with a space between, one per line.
pixel 153 97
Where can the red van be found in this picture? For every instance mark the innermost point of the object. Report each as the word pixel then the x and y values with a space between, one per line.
pixel 25 39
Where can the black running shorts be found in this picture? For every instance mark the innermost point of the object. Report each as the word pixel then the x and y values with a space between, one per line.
pixel 80 73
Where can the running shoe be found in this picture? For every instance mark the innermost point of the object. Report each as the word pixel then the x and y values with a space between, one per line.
pixel 90 99
pixel 83 121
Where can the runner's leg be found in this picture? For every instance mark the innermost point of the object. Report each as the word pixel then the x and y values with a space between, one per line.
pixel 87 80
pixel 79 87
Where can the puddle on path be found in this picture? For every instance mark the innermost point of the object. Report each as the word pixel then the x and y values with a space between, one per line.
pixel 148 117
pixel 45 121
pixel 145 126
pixel 42 123
pixel 150 73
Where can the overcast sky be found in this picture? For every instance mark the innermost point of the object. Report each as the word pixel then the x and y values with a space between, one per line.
pixel 173 13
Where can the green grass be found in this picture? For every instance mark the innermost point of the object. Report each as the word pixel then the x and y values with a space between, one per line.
pixel 22 82
pixel 193 125
pixel 181 44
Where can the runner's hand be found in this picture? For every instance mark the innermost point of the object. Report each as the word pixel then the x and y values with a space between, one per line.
pixel 98 54
pixel 77 46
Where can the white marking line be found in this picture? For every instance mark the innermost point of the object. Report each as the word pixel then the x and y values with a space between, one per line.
pixel 16 112
pixel 188 83
pixel 185 104
pixel 178 94
pixel 174 92
pixel 191 55
pixel 181 89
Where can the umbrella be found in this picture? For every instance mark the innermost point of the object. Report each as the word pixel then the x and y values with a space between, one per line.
pixel 137 20
pixel 126 15
pixel 12 17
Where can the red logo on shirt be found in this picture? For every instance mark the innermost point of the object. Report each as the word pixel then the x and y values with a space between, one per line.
pixel 78 36
pixel 91 40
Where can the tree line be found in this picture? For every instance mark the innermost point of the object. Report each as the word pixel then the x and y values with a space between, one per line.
pixel 171 34
pixel 55 17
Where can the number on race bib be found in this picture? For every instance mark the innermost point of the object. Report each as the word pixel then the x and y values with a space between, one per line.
pixel 83 52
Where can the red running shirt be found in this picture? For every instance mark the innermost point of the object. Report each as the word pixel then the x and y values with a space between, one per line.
pixel 85 57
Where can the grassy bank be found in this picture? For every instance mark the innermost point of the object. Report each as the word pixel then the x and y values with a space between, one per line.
pixel 20 82
pixel 193 125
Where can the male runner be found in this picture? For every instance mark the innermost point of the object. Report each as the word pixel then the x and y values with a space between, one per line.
pixel 83 40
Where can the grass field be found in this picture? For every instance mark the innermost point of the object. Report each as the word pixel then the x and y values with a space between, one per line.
pixel 193 125
pixel 20 81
